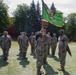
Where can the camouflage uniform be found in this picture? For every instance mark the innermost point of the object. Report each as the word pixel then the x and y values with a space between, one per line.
pixel 5 45
pixel 18 39
pixel 45 48
pixel 39 53
pixel 32 43
pixel 49 44
pixel 24 45
pixel 63 42
pixel 53 45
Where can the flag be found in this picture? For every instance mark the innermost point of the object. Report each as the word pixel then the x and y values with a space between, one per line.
pixel 55 18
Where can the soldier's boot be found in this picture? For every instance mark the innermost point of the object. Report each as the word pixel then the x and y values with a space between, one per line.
pixel 61 69
pixel 39 71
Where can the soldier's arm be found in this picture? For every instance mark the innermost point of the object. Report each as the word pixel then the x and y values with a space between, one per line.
pixel 18 39
pixel 65 43
pixel 1 41
pixel 27 41
pixel 10 42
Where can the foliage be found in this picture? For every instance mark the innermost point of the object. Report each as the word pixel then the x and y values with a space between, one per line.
pixel 70 26
pixel 5 21
pixel 21 17
pixel 34 18
pixel 27 18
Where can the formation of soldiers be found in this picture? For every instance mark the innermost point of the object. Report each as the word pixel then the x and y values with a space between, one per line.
pixel 40 46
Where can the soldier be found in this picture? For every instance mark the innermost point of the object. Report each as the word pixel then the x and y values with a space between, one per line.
pixel 34 42
pixel 24 45
pixel 53 44
pixel 45 45
pixel 31 42
pixel 5 44
pixel 63 43
pixel 49 42
pixel 39 53
pixel 18 39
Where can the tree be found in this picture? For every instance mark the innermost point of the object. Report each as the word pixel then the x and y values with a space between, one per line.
pixel 21 18
pixel 52 9
pixel 71 25
pixel 5 21
pixel 39 15
pixel 34 18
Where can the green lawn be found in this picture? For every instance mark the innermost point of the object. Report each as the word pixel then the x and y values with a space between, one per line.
pixel 17 66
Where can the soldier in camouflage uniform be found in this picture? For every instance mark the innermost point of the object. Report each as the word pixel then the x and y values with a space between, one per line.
pixel 49 42
pixel 63 42
pixel 18 39
pixel 5 44
pixel 53 44
pixel 39 53
pixel 45 39
pixel 32 42
pixel 24 44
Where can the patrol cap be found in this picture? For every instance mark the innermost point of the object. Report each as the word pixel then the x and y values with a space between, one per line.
pixel 23 32
pixel 5 32
pixel 61 31
pixel 54 34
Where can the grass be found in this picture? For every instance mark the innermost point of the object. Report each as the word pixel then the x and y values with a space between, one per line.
pixel 17 66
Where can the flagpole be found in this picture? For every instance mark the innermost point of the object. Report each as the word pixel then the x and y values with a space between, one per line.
pixel 42 20
pixel 42 24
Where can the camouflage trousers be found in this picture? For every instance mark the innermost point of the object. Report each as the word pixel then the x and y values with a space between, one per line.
pixel 5 52
pixel 39 62
pixel 62 57
pixel 32 48
pixel 45 53
pixel 20 50
pixel 23 51
pixel 53 49
pixel 48 48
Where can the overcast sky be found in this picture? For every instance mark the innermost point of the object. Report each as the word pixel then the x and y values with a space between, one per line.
pixel 65 6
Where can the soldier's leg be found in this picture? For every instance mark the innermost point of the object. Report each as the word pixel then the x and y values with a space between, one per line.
pixel 6 53
pixel 24 55
pixel 20 50
pixel 48 49
pixel 53 52
pixel 3 52
pixel 39 64
pixel 45 59
pixel 63 60
pixel 31 49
